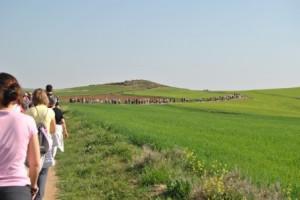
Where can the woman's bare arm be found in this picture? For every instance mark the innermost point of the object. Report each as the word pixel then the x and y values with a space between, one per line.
pixel 52 126
pixel 65 130
pixel 33 158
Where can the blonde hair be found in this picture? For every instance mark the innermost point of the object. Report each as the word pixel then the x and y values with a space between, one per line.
pixel 39 97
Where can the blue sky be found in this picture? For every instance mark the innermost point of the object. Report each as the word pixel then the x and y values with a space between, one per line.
pixel 194 44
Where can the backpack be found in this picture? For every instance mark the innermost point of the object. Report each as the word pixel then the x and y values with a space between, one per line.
pixel 43 136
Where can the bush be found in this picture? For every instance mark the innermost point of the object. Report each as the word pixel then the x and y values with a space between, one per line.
pixel 194 164
pixel 147 157
pixel 178 189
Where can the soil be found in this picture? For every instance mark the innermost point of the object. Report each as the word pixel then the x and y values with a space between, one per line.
pixel 51 189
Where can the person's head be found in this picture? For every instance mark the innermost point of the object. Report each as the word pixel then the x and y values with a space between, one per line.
pixel 49 88
pixel 39 97
pixel 52 101
pixel 10 90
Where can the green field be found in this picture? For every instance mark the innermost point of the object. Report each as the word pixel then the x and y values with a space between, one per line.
pixel 259 135
pixel 100 163
pixel 175 93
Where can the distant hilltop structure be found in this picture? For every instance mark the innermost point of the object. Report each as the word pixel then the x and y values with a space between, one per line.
pixel 138 84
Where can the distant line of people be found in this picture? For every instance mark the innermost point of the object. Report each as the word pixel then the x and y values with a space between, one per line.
pixel 19 139
pixel 122 100
pixel 149 100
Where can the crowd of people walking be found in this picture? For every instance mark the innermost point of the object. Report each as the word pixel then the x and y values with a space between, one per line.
pixel 24 162
pixel 121 99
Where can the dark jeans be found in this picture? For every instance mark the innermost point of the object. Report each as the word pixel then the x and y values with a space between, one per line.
pixel 42 183
pixel 15 193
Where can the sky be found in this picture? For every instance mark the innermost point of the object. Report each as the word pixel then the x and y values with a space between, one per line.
pixel 196 44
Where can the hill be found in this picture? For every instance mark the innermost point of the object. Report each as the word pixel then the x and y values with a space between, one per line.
pixel 137 88
pixel 108 88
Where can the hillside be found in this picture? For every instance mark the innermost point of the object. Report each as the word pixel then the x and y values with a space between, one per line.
pixel 138 88
pixel 280 102
pixel 108 88
pixel 271 102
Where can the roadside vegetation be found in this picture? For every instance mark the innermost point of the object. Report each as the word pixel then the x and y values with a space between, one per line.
pixel 102 164
pixel 263 147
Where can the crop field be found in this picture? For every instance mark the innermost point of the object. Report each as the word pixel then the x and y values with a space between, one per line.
pixel 261 135
pixel 175 93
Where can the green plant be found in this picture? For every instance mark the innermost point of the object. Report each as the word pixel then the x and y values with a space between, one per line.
pixel 151 176
pixel 194 164
pixel 178 189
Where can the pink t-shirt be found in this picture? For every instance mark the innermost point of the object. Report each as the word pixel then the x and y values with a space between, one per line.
pixel 16 129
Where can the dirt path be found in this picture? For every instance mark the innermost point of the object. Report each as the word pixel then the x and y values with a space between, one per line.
pixel 51 190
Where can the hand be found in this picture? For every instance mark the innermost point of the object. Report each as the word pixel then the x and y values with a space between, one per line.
pixel 34 191
pixel 66 135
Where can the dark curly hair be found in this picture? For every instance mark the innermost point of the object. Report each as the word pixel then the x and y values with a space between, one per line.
pixel 10 89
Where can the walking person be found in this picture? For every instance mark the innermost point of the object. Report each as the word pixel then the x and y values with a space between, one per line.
pixel 18 140
pixel 42 114
pixel 49 91
pixel 61 127
pixel 26 101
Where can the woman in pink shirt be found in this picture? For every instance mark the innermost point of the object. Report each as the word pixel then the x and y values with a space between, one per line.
pixel 18 140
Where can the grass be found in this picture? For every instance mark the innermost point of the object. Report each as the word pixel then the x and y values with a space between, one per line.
pixel 264 147
pixel 259 135
pixel 282 102
pixel 94 90
pixel 101 164
pixel 94 165
pixel 175 93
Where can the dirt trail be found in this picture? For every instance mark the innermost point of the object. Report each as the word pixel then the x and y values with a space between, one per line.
pixel 51 190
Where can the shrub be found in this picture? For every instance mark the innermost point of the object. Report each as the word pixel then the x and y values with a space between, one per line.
pixel 217 168
pixel 147 157
pixel 194 164
pixel 178 189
